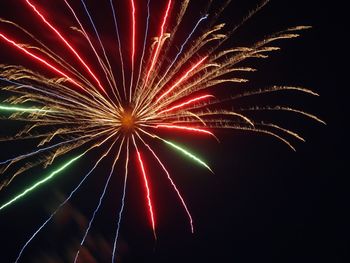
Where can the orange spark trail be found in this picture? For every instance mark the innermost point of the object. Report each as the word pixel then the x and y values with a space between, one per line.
pixel 187 103
pixel 172 183
pixel 39 59
pixel 181 79
pixel 159 42
pixel 147 190
pixel 66 42
pixel 184 128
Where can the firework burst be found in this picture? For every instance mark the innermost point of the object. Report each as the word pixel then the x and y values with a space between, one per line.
pixel 86 105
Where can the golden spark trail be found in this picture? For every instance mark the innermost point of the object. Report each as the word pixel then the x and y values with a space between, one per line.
pixel 176 127
pixel 183 86
pixel 156 53
pixel 38 58
pixel 181 79
pixel 186 103
pixel 65 42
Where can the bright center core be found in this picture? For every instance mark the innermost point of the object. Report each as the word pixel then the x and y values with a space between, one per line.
pixel 127 121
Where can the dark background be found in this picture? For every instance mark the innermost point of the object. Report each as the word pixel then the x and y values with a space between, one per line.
pixel 265 203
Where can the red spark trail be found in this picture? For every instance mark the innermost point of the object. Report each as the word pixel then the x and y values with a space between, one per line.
pixel 39 59
pixel 159 42
pixel 184 128
pixel 133 45
pixel 148 192
pixel 187 103
pixel 172 183
pixel 133 31
pixel 181 79
pixel 66 42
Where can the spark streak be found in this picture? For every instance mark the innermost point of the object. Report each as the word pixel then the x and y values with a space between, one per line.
pixel 143 48
pixel 182 47
pixel 39 183
pixel 39 59
pixel 23 156
pixel 159 42
pixel 181 79
pixel 119 44
pixel 66 200
pixel 133 46
pixel 186 103
pixel 176 127
pixel 172 183
pixel 122 201
pixel 99 201
pixel 65 42
pixel 173 88
pixel 147 188
pixel 180 149
pixel 187 153
pixel 22 109
pixel 109 74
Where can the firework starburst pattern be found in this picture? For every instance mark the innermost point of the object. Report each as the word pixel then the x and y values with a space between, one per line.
pixel 151 82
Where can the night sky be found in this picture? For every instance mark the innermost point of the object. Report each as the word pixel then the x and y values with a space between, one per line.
pixel 265 203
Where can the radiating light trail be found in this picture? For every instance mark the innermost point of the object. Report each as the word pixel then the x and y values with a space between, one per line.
pixel 186 103
pixel 143 49
pixel 187 153
pixel 122 203
pixel 39 59
pixel 119 44
pixel 66 43
pixel 181 79
pixel 109 74
pixel 56 96
pixel 180 149
pixel 159 42
pixel 147 188
pixel 182 47
pixel 23 156
pixel 39 183
pixel 181 66
pixel 22 109
pixel 172 183
pixel 133 31
pixel 185 128
pixel 99 201
pixel 132 46
pixel 65 201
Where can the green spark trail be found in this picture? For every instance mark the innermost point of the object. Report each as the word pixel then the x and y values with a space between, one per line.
pixel 37 184
pixel 15 108
pixel 185 152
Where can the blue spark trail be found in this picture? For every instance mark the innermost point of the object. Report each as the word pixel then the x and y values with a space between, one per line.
pixel 99 39
pixel 39 151
pixel 47 92
pixel 119 44
pixel 182 46
pixel 95 29
pixel 122 205
pixel 99 202
pixel 63 203
pixel 109 76
pixel 36 89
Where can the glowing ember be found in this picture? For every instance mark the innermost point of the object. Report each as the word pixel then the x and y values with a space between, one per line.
pixel 127 120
